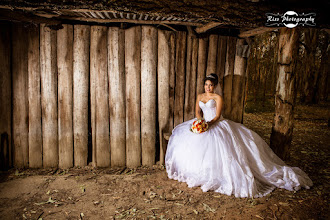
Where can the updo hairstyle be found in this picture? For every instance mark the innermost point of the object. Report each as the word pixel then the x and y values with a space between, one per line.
pixel 213 78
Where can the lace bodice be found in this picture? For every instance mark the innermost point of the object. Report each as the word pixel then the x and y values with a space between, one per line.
pixel 209 109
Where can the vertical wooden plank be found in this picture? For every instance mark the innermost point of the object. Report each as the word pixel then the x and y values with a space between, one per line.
pixel 133 98
pixel 81 50
pixel 201 66
pixel 228 78
pixel 116 72
pixel 65 77
pixel 238 89
pixel 221 58
pixel 48 67
pixel 100 101
pixel 180 77
pixel 188 106
pixel 163 71
pixel 5 92
pixel 20 98
pixel 148 94
pixel 35 136
pixel 172 79
pixel 194 62
pixel 212 54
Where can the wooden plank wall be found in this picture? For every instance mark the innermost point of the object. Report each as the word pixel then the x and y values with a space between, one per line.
pixel 124 73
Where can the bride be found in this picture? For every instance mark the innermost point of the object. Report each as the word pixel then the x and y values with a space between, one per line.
pixel 228 158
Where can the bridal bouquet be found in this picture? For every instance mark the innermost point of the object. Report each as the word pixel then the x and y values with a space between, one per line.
pixel 199 126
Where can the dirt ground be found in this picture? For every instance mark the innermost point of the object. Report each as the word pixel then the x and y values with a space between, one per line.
pixel 147 193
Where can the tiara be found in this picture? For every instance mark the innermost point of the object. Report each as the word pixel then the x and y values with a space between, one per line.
pixel 210 76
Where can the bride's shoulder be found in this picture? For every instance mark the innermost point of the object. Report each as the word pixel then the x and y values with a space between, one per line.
pixel 217 97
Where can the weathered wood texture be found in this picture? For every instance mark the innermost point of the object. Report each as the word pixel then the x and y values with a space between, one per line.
pixel 65 79
pixel 100 96
pixel 5 96
pixel 133 98
pixel 20 98
pixel 148 94
pixel 228 77
pixel 163 71
pixel 282 128
pixel 35 137
pixel 190 88
pixel 130 77
pixel 180 77
pixel 81 43
pixel 201 66
pixel 48 67
pixel 239 79
pixel 116 73
pixel 172 78
pixel 221 59
pixel 212 54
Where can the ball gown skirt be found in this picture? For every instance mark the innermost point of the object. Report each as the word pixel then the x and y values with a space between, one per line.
pixel 228 158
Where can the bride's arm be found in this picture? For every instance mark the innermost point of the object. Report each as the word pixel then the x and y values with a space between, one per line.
pixel 219 102
pixel 198 110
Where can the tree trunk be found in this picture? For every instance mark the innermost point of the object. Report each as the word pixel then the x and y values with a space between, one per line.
pixel 65 77
pixel 148 94
pixel 116 73
pixel 282 128
pixel 35 136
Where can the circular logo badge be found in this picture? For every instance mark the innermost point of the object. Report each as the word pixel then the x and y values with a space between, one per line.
pixel 289 19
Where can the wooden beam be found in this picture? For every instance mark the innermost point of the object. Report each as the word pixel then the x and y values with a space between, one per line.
pixel 256 31
pixel 119 20
pixel 207 27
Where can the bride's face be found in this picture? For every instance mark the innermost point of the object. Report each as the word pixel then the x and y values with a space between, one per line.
pixel 209 86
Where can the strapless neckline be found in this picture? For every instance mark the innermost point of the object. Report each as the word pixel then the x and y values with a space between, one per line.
pixel 207 101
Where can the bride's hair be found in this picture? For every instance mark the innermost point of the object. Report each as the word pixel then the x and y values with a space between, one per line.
pixel 213 78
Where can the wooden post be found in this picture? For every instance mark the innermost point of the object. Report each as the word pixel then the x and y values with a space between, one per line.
pixel 163 89
pixel 133 111
pixel 20 97
pixel 201 66
pixel 65 77
pixel 180 77
pixel 116 73
pixel 48 69
pixel 148 94
pixel 282 128
pixel 190 88
pixel 172 79
pixel 81 50
pixel 221 59
pixel 35 136
pixel 5 91
pixel 212 54
pixel 100 96
pixel 238 90
pixel 228 77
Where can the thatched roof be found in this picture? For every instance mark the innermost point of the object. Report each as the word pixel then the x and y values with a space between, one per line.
pixel 234 14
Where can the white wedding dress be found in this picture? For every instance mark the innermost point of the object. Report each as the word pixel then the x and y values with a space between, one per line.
pixel 228 158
